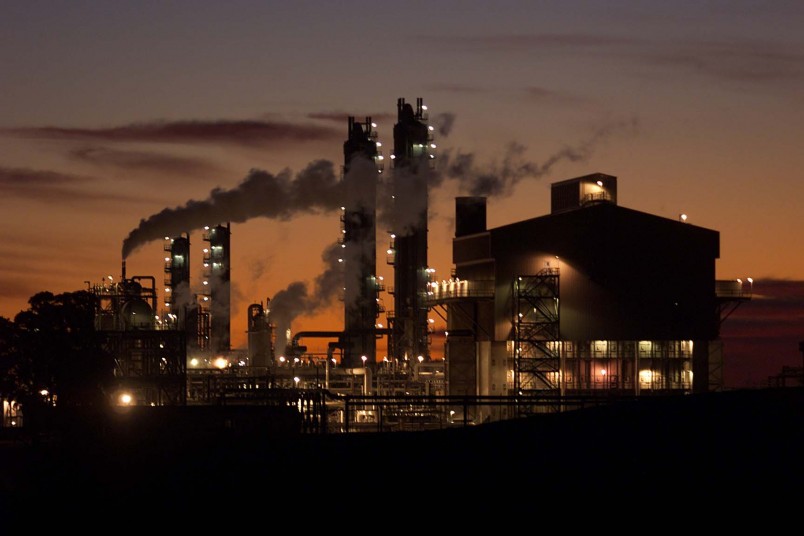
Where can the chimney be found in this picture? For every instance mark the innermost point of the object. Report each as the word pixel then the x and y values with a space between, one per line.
pixel 470 215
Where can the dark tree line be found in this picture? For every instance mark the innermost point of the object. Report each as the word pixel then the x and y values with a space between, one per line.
pixel 50 353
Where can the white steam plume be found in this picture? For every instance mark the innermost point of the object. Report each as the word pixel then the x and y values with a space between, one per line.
pixel 501 179
pixel 295 300
pixel 260 194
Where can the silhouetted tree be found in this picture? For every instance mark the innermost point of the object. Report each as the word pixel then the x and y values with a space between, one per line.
pixel 58 350
pixel 8 359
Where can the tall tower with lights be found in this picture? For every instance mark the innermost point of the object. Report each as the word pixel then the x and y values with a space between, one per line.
pixel 217 273
pixel 180 303
pixel 362 163
pixel 412 164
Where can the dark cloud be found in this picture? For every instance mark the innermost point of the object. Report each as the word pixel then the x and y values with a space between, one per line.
pixel 542 41
pixel 549 96
pixel 30 244
pixel 762 335
pixel 245 133
pixel 342 118
pixel 455 88
pixel 47 186
pixel 142 161
pixel 336 117
pixel 739 61
pixel 24 266
pixel 536 94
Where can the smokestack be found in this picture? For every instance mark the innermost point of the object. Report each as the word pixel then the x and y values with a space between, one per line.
pixel 470 215
pixel 123 278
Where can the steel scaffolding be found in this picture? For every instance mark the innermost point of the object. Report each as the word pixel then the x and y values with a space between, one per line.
pixel 535 321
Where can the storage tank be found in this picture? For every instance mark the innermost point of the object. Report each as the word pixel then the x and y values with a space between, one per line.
pixel 137 314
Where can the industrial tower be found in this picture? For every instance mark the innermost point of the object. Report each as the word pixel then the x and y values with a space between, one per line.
pixel 181 305
pixel 217 273
pixel 361 286
pixel 260 332
pixel 408 251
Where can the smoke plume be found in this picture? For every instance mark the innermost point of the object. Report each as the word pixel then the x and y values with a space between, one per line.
pixel 296 300
pixel 443 123
pixel 318 189
pixel 260 194
pixel 500 179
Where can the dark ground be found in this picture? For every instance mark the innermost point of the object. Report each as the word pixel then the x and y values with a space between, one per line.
pixel 682 450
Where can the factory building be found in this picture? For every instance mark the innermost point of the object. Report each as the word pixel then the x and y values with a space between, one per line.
pixel 593 298
pixel 149 353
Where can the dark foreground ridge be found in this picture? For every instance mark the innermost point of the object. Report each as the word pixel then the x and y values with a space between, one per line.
pixel 743 442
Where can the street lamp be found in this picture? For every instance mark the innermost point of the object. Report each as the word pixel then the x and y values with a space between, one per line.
pixel 364 358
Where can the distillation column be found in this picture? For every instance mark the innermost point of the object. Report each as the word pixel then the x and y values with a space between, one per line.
pixel 361 287
pixel 217 270
pixel 411 169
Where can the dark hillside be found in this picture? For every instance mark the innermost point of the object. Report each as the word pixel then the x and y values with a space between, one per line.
pixel 737 442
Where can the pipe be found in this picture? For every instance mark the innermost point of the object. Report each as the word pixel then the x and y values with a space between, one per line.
pixel 318 334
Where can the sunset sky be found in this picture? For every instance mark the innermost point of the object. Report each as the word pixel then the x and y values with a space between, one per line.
pixel 112 111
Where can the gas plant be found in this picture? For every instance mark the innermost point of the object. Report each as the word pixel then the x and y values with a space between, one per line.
pixel 588 302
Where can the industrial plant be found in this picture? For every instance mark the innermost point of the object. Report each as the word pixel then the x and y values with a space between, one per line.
pixel 589 303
